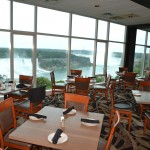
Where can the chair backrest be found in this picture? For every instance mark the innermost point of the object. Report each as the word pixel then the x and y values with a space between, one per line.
pixel 24 79
pixel 129 76
pixel 52 76
pixel 36 95
pixel 7 116
pixel 80 102
pixel 82 85
pixel 76 72
pixel 108 80
pixel 121 69
pixel 144 86
pixel 115 123
pixel 111 91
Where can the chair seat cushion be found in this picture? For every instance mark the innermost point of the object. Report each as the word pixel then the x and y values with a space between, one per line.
pixel 23 105
pixel 123 106
pixel 18 93
pixel 60 84
pixel 7 140
pixel 147 115
pixel 100 87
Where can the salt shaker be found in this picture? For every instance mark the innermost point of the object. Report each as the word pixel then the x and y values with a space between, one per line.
pixel 62 121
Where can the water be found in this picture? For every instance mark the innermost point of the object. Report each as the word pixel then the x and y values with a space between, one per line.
pixel 24 66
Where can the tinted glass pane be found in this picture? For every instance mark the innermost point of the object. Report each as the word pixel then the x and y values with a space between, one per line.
pixel 117 32
pixel 138 59
pixel 148 40
pixel 4 54
pixel 4 14
pixel 52 21
pixel 147 59
pixel 82 56
pixel 23 17
pixel 83 26
pixel 23 47
pixel 115 57
pixel 102 30
pixel 100 55
pixel 140 37
pixel 51 55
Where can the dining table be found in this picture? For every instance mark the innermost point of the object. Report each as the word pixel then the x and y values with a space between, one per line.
pixel 78 135
pixel 72 80
pixel 141 97
pixel 9 88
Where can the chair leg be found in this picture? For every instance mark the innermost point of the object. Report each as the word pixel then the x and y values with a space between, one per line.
pixel 106 95
pixel 110 119
pixel 141 111
pixel 129 122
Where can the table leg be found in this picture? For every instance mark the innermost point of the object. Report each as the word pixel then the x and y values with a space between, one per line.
pixel 5 96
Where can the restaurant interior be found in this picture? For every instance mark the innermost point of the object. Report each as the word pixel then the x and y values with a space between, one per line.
pixel 74 75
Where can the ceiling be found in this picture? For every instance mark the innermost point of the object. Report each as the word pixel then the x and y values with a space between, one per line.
pixel 125 12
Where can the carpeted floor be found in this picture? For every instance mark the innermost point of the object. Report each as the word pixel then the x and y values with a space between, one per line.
pixel 123 140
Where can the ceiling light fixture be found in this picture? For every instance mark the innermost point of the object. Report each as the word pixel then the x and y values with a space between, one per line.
pixel 97 6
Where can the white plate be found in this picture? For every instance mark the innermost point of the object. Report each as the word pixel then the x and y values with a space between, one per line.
pixel 34 118
pixel 89 124
pixel 2 89
pixel 62 139
pixel 73 111
pixel 137 94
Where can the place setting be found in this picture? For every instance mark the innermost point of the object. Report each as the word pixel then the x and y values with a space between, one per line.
pixel 36 117
pixel 137 93
pixel 70 111
pixel 57 137
pixel 89 121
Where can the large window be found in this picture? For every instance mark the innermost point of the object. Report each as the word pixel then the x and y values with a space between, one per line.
pixel 82 55
pixel 52 21
pixel 43 39
pixel 23 48
pixel 4 54
pixel 51 55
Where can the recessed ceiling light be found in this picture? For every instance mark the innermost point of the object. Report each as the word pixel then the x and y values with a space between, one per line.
pixel 97 6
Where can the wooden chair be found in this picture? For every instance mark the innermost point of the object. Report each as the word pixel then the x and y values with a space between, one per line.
pixel 33 104
pixel 82 86
pixel 8 125
pixel 124 109
pixel 144 86
pixel 20 95
pixel 73 73
pixel 147 121
pixel 57 87
pixel 129 80
pixel 123 70
pixel 103 145
pixel 80 102
pixel 76 72
pixel 100 89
